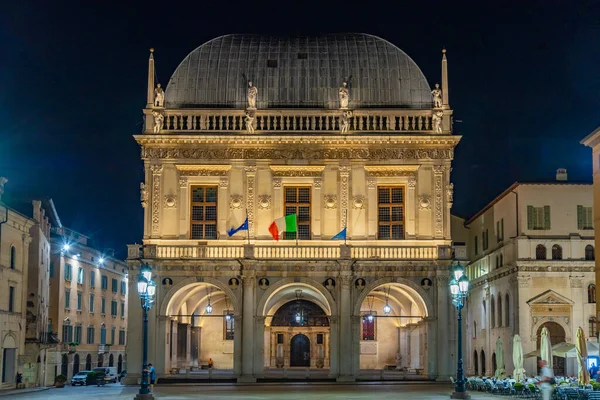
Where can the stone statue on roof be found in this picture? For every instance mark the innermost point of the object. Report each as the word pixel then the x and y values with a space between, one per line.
pixel 158 121
pixel 252 94
pixel 436 121
pixel 159 96
pixel 437 96
pixel 345 121
pixel 249 122
pixel 344 95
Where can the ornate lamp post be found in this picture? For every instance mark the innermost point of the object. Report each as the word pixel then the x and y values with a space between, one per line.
pixel 459 286
pixel 146 289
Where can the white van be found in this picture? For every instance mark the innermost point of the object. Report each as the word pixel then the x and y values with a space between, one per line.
pixel 110 373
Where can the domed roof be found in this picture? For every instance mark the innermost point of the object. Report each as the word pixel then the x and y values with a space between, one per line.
pixel 298 72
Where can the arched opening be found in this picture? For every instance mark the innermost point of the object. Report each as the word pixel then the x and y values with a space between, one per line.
pixel 64 365
pixel 557 252
pixel 300 351
pixel 100 360
pixel 494 363
pixel 201 326
pixel 483 314
pixel 540 252
pixel 297 326
pixel 393 333
pixel 475 363
pixel 13 257
pixel 88 362
pixel 111 361
pixel 120 364
pixel 589 253
pixel 75 364
pixel 557 335
pixel 500 310
pixel 506 311
pixel 483 362
pixel 591 293
pixel 493 312
pixel 9 359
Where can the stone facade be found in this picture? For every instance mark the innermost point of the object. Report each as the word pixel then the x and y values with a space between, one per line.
pixel 202 158
pixel 531 255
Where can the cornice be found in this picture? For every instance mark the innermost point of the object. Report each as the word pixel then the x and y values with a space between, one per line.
pixel 297 170
pixel 203 170
pixel 391 170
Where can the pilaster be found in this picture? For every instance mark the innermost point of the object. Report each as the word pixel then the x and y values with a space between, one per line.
pixel 344 193
pixel 248 342
pixel 438 200
pixel 250 193
pixel 157 170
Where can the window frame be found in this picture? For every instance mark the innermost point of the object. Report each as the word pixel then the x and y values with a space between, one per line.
pixel 296 206
pixel 92 298
pixel 390 206
pixel 228 326
pixel 364 321
pixel 13 257
pixel 204 222
pixel 11 298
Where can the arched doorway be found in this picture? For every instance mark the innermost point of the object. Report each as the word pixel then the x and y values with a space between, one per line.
pixel 88 362
pixel 120 364
pixel 111 361
pixel 393 331
pixel 100 360
pixel 475 363
pixel 494 364
pixel 482 363
pixel 9 360
pixel 75 364
pixel 557 335
pixel 201 325
pixel 64 365
pixel 300 351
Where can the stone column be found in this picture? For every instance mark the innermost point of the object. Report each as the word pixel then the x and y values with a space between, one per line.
pixel 174 341
pixel 184 207
pixel 237 345
pixel 195 346
pixel 161 360
pixel 188 346
pixel 431 344
pixel 248 341
pixel 411 207
pixel 223 206
pixel 444 314
pixel 259 347
pixel 134 333
pixel 372 208
pixel 345 334
pixel 316 204
pixel 334 347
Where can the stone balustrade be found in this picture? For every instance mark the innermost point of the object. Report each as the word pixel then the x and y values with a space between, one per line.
pixel 284 252
pixel 193 120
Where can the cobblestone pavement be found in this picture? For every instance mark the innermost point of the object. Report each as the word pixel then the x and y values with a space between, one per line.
pixel 288 391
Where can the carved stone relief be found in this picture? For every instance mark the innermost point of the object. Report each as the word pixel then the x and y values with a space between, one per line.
pixel 264 202
pixel 277 183
pixel 438 172
pixel 330 201
pixel 170 201
pixel 358 202
pixel 371 183
pixel 183 183
pixel 156 176
pixel 424 202
pixel 143 195
pixel 236 201
pixel 317 183
pixel 344 175
pixel 250 176
pixel 224 182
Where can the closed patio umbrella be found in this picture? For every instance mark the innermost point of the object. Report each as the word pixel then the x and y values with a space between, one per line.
pixel 546 348
pixel 500 372
pixel 519 372
pixel 583 374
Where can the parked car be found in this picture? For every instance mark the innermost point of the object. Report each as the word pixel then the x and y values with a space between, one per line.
pixel 110 373
pixel 122 375
pixel 80 378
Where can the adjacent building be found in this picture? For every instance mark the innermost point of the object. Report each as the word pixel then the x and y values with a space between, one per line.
pixel 345 132
pixel 532 254
pixel 88 304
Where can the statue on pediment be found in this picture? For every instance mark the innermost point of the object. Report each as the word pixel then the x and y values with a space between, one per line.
pixel 345 121
pixel 159 96
pixel 437 96
pixel 344 94
pixel 252 94
pixel 436 121
pixel 158 121
pixel 250 122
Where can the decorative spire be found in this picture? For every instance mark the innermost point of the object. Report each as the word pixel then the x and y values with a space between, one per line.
pixel 445 103
pixel 150 79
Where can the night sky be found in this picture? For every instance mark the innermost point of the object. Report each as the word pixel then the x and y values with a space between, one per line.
pixel 524 84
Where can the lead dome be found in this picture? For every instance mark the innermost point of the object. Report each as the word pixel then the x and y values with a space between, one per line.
pixel 298 72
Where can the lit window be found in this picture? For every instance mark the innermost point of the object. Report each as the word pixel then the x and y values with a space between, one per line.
pixel 297 201
pixel 390 202
pixel 204 212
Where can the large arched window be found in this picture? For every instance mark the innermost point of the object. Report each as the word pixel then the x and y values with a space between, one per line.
pixel 589 253
pixel 593 327
pixel 540 252
pixel 493 312
pixel 475 363
pixel 556 252
pixel 499 310
pixel 483 315
pixel 13 257
pixel 591 293
pixel 506 311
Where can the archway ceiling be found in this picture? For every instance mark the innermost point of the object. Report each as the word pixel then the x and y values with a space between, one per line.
pixel 404 295
pixel 186 292
pixel 288 293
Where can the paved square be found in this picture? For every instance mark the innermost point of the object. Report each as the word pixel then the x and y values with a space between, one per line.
pixel 425 391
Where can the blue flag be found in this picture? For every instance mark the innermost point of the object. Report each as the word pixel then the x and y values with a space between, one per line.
pixel 341 235
pixel 242 227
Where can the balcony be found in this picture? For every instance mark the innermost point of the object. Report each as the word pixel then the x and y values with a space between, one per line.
pixel 283 251
pixel 103 348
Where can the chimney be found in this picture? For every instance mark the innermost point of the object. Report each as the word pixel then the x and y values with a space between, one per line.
pixel 561 174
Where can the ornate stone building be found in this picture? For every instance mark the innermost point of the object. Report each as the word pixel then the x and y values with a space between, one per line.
pixel 344 131
pixel 531 253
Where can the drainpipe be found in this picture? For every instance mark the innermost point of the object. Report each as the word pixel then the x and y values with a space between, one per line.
pixel 517 211
pixel 2 223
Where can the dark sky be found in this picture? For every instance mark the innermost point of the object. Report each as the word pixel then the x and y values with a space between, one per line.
pixel 524 81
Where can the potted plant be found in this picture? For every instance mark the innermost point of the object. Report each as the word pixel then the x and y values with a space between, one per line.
pixel 60 381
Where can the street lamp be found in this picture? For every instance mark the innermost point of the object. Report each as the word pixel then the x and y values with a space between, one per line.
pixel 459 286
pixel 147 290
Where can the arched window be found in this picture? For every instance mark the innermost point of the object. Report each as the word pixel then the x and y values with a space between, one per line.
pixel 120 364
pixel 474 329
pixel 75 364
pixel 540 252
pixel 556 252
pixel 483 316
pixel 493 313
pixel 88 362
pixel 13 257
pixel 593 327
pixel 591 293
pixel 111 361
pixel 499 310
pixel 100 360
pixel 589 253
pixel 475 363
pixel 506 311
pixel 482 362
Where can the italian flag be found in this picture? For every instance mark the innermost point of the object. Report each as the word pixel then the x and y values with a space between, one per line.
pixel 283 224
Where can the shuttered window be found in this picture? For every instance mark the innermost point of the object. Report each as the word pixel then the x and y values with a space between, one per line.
pixel 585 218
pixel 538 218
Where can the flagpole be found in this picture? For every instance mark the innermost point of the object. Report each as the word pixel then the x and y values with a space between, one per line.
pixel 248 230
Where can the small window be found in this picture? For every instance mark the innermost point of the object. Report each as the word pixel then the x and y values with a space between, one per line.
pixel 538 218
pixel 280 338
pixel 91 303
pixel 68 272
pixel 302 56
pixel 67 298
pixel 104 282
pixel 589 253
pixel 115 285
pixel 113 308
pixel 591 293
pixel 540 252
pixel 297 201
pixel 103 306
pixel 11 299
pixel 90 335
pixel 92 279
pixel 122 309
pixel 585 218
pixel 121 337
pixel 79 301
pixel 319 338
pixel 80 276
pixel 271 63
pixel 204 212
pixel 506 311
pixel 557 252
pixel 593 327
pixel 13 257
